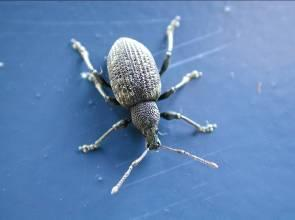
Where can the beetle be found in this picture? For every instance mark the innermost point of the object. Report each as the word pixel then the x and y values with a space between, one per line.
pixel 136 83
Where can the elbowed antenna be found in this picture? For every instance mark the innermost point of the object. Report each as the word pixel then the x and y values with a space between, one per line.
pixel 117 187
pixel 194 157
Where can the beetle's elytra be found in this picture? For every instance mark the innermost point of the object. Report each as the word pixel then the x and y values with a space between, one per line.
pixel 133 73
pixel 136 83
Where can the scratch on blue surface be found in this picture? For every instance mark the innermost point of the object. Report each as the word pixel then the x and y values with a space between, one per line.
pixel 177 203
pixel 199 185
pixel 200 55
pixel 149 214
pixel 92 22
pixel 214 195
pixel 193 40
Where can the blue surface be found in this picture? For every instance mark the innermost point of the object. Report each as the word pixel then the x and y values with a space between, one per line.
pixel 246 51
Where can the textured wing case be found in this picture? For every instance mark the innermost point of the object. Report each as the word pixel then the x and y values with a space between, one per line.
pixel 133 73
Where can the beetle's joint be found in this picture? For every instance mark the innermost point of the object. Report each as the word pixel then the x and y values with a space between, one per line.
pixel 120 124
pixel 169 53
pixel 88 75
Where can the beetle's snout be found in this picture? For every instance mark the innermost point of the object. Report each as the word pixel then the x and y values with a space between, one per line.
pixel 153 142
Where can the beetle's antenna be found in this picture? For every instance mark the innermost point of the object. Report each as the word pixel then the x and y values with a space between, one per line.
pixel 194 157
pixel 117 187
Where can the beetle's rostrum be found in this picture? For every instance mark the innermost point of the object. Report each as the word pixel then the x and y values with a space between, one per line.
pixel 136 84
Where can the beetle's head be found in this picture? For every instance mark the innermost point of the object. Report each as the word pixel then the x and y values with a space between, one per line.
pixel 152 139
pixel 145 117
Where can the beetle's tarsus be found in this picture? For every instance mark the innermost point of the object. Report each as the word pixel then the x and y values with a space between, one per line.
pixel 75 43
pixel 207 128
pixel 169 32
pixel 175 23
pixel 194 75
pixel 86 148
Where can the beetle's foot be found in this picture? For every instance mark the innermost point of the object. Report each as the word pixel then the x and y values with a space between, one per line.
pixel 208 128
pixel 79 47
pixel 88 147
pixel 174 24
pixel 193 75
pixel 76 44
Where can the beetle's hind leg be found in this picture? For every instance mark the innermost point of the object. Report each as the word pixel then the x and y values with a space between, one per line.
pixel 93 75
pixel 91 147
pixel 186 79
pixel 170 33
pixel 175 115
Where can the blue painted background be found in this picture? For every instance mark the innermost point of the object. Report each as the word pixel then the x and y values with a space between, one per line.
pixel 246 51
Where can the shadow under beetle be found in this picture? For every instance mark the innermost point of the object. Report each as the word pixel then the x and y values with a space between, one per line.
pixel 136 84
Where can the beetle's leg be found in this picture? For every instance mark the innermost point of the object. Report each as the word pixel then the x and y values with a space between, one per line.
pixel 170 32
pixel 120 124
pixel 93 75
pixel 174 115
pixel 186 79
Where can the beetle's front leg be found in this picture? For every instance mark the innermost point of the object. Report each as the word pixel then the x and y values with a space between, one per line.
pixel 174 115
pixel 93 75
pixel 90 147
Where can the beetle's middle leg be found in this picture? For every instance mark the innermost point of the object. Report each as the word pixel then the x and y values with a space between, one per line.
pixel 93 75
pixel 174 115
pixel 90 147
pixel 186 79
pixel 170 32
